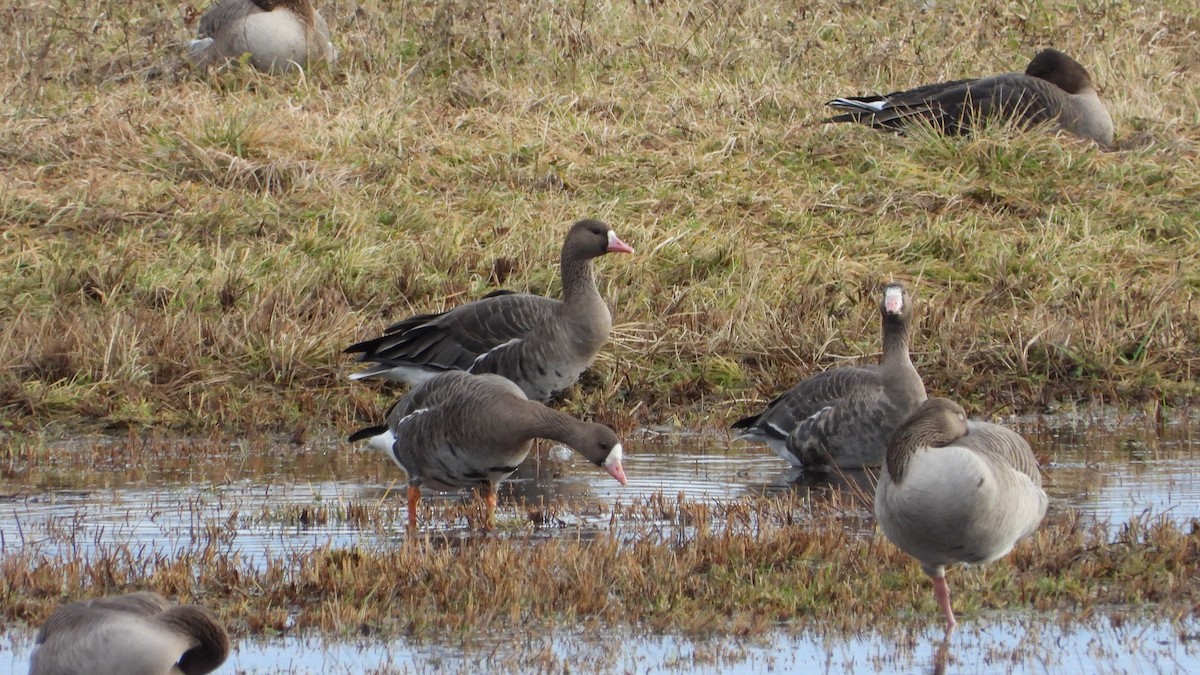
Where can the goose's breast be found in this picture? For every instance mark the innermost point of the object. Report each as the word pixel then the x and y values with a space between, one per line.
pixel 954 506
pixel 274 39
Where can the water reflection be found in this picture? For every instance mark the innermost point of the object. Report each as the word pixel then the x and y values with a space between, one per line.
pixel 996 643
pixel 261 495
pixel 164 494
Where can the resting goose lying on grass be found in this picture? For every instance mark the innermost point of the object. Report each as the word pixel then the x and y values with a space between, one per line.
pixel 278 35
pixel 1054 89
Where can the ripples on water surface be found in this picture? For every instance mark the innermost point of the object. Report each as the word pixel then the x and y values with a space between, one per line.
pixel 268 498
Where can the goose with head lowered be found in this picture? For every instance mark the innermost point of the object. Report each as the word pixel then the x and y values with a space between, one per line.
pixel 458 430
pixel 133 634
pixel 843 416
pixel 278 35
pixel 542 344
pixel 955 490
pixel 1054 89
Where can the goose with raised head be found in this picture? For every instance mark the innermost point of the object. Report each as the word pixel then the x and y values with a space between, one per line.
pixel 458 430
pixel 1054 89
pixel 278 35
pixel 843 416
pixel 133 634
pixel 957 491
pixel 542 344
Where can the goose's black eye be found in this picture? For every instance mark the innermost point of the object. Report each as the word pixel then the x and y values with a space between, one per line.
pixel 604 446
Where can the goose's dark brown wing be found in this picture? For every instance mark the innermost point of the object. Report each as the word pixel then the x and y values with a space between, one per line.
pixel 1004 445
pixel 961 106
pixel 812 394
pixel 453 340
pixel 223 14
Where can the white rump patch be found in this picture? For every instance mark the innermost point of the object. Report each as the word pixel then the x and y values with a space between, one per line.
pixel 873 106
pixel 383 442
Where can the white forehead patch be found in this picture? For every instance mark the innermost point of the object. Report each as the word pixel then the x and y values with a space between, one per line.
pixel 893 299
pixel 614 456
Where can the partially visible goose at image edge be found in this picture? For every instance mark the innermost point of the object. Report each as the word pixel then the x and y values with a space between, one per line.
pixel 459 430
pixel 1054 89
pixel 843 416
pixel 133 634
pixel 278 35
pixel 957 491
pixel 540 343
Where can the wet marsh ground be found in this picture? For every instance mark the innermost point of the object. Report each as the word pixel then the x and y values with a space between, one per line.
pixel 186 254
pixel 715 558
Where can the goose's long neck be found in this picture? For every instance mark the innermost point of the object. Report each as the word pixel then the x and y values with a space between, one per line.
pixel 895 342
pixel 904 442
pixel 578 280
pixel 557 426
pixel 900 375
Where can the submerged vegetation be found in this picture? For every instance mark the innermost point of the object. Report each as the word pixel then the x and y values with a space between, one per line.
pixel 746 567
pixel 192 251
pixel 342 564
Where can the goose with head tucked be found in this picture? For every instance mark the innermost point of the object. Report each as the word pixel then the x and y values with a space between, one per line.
pixel 1054 89
pixel 278 35
pixel 843 416
pixel 542 344
pixel 458 430
pixel 133 634
pixel 955 490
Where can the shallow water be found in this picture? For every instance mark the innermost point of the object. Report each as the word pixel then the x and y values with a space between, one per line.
pixel 167 495
pixel 1000 643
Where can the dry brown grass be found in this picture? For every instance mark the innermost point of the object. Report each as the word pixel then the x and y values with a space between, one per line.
pixel 192 251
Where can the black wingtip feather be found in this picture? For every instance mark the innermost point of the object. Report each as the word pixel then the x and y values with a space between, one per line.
pixel 369 432
pixel 745 422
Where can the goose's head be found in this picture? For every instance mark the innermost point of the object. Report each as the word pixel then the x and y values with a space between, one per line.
pixel 592 239
pixel 895 304
pixel 1060 70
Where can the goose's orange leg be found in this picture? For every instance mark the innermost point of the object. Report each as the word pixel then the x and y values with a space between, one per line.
pixel 414 498
pixel 489 501
pixel 941 591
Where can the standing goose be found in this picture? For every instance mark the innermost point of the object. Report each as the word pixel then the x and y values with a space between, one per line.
pixel 278 35
pixel 843 416
pixel 459 430
pixel 957 491
pixel 1053 89
pixel 540 343
pixel 134 634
